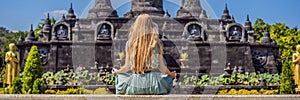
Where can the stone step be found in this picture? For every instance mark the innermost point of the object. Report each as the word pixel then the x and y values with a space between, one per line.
pixel 149 97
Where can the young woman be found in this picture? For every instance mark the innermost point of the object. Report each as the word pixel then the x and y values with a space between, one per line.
pixel 144 58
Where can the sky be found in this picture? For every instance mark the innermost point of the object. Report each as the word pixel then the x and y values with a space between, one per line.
pixel 19 14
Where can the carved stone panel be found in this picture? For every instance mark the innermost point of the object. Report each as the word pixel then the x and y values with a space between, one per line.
pixel 259 58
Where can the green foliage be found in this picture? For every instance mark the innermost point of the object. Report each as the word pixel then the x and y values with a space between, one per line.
pixel 2 73
pixel 236 79
pixel 32 70
pixel 75 91
pixel 17 86
pixel 68 91
pixel 203 80
pixel 27 84
pixel 259 28
pixel 38 87
pixel 192 80
pixel 7 91
pixel 86 91
pixel 82 77
pixel 11 37
pixel 33 67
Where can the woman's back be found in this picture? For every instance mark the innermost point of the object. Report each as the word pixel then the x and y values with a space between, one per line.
pixel 144 58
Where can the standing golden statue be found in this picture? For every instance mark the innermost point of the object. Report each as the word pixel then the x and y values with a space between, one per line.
pixel 12 60
pixel 296 62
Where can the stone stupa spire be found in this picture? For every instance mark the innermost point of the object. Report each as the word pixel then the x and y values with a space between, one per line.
pixel 190 8
pixel 102 8
pixel 151 7
pixel 226 14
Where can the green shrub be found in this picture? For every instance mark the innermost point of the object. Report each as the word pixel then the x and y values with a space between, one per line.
pixel 17 86
pixel 50 92
pixel 38 87
pixel 86 91
pixel 27 84
pixel 74 91
pixel 7 91
pixel 100 91
pixel 287 80
pixel 32 70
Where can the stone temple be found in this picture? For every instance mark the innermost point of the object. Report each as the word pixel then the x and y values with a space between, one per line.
pixel 98 39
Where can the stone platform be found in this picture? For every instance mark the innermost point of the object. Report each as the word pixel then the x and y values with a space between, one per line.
pixel 149 97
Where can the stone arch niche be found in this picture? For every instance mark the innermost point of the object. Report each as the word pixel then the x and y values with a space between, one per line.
pixel 62 32
pixel 194 31
pixel 235 33
pixel 104 31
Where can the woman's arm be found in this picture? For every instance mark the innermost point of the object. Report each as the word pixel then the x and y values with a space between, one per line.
pixel 123 69
pixel 126 66
pixel 163 68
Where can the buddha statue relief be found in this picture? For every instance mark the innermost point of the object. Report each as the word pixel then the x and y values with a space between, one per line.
pixel 104 32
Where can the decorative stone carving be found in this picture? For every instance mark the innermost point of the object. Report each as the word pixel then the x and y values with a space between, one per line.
pixel 44 52
pixel 259 58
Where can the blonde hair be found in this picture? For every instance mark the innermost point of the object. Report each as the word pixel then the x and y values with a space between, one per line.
pixel 143 37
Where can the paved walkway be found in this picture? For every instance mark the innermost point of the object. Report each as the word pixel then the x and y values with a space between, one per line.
pixel 149 97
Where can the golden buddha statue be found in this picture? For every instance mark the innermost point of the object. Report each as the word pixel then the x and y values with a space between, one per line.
pixel 296 67
pixel 12 60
